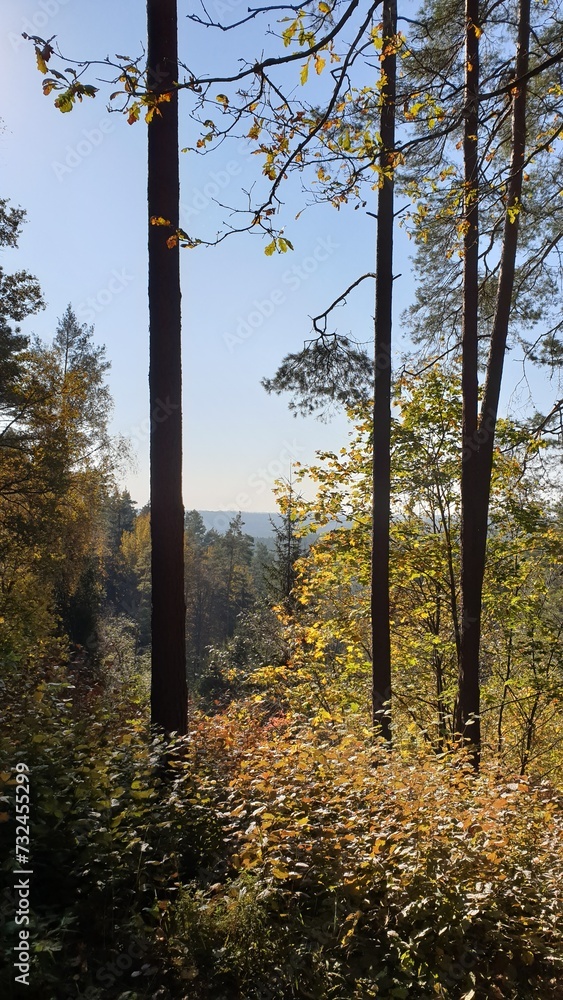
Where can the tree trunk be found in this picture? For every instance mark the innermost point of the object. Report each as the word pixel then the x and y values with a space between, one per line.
pixel 169 689
pixel 380 610
pixel 505 688
pixel 467 723
pixel 475 500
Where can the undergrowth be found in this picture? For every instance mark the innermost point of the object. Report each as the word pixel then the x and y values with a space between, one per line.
pixel 269 859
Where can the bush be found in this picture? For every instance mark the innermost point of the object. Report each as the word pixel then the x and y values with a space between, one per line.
pixel 374 876
pixel 112 838
pixel 263 858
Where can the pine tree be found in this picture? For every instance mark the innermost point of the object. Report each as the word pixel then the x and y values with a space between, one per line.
pixel 280 574
pixel 168 686
pixel 20 296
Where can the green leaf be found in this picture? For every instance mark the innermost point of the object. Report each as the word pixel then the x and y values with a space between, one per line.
pixel 64 102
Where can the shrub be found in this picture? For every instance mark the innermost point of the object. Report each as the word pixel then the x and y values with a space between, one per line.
pixel 404 876
pixel 264 858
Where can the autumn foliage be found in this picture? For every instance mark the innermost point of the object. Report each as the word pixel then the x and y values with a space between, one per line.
pixel 274 858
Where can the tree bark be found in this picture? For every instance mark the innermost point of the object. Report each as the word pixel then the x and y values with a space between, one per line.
pixel 467 722
pixel 168 682
pixel 478 488
pixel 381 511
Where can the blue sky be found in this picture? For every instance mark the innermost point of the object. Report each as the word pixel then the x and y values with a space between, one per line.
pixel 82 179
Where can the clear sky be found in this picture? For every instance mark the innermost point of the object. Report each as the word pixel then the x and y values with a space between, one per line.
pixel 82 179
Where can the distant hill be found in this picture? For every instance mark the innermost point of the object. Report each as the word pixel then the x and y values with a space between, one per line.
pixel 256 523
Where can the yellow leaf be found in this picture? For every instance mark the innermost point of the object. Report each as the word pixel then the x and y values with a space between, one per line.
pixel 279 871
pixel 376 37
pixel 41 64
pixel 319 64
pixel 288 34
pixel 303 76
pixel 157 220
pixel 377 847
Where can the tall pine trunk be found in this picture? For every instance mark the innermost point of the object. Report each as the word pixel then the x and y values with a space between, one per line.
pixel 476 497
pixel 472 541
pixel 169 688
pixel 380 606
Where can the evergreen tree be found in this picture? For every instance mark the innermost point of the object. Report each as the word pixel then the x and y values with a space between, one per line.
pixel 20 296
pixel 56 468
pixel 119 517
pixel 280 574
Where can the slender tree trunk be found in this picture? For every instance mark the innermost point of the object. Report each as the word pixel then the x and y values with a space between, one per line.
pixel 500 739
pixel 467 722
pixel 475 499
pixel 444 519
pixel 169 689
pixel 439 675
pixel 528 739
pixel 289 566
pixel 440 704
pixel 380 610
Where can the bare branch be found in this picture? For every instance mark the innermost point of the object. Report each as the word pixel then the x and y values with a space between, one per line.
pixel 338 301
